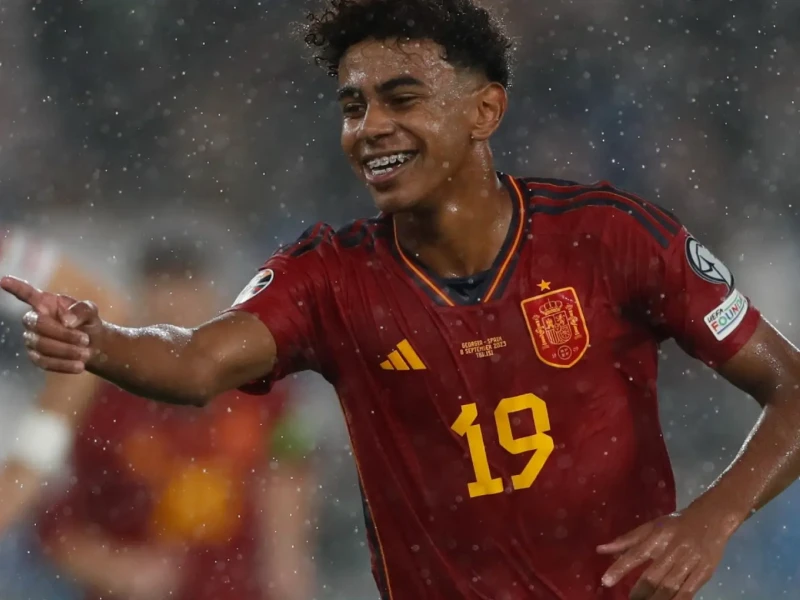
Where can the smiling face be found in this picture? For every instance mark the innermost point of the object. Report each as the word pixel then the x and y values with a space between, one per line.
pixel 410 119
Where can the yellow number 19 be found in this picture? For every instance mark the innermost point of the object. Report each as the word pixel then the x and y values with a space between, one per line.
pixel 539 443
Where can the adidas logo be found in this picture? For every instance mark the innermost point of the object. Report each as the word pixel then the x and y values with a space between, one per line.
pixel 403 359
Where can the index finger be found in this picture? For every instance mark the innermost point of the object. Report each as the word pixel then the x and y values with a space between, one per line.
pixel 629 561
pixel 627 541
pixel 22 290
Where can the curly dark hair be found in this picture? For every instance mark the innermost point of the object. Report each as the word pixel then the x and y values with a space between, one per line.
pixel 470 36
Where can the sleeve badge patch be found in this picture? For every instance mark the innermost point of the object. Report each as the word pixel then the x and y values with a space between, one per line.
pixel 557 326
pixel 257 285
pixel 706 265
pixel 723 320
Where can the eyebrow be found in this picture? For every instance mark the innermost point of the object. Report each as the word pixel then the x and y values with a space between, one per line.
pixel 351 91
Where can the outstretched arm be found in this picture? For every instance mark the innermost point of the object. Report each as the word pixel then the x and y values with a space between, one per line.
pixel 99 562
pixel 161 362
pixel 183 366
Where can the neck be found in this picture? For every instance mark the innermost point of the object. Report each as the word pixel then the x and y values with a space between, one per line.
pixel 462 229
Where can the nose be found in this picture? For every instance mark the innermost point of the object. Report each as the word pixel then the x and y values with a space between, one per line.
pixel 377 123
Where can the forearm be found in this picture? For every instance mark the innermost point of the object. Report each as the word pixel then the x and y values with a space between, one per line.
pixel 91 559
pixel 67 395
pixel 767 464
pixel 288 507
pixel 19 489
pixel 161 362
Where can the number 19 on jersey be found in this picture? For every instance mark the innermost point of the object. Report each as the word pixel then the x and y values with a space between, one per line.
pixel 540 443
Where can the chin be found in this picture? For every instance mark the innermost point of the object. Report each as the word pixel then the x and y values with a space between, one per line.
pixel 394 201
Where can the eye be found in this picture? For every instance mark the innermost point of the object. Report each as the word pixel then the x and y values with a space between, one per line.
pixel 353 110
pixel 403 100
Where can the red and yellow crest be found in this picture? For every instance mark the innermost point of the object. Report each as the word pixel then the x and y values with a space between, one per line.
pixel 557 327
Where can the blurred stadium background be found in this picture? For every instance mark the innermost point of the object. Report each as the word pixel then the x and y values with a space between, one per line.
pixel 129 118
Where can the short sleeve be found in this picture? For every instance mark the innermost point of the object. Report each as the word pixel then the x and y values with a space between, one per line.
pixel 688 294
pixel 291 295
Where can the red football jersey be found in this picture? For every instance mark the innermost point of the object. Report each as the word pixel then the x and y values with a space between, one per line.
pixel 505 424
pixel 148 473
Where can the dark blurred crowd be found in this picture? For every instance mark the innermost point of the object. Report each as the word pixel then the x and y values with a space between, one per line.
pixel 115 112
pixel 115 105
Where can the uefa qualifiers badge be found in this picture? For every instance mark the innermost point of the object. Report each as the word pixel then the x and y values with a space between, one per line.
pixel 557 326
pixel 257 285
pixel 707 266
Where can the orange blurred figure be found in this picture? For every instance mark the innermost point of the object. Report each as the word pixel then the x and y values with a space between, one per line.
pixel 59 405
pixel 182 502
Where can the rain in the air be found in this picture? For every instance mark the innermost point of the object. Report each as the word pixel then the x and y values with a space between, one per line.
pixel 399 300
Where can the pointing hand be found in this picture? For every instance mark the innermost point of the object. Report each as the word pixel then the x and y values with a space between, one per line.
pixel 58 328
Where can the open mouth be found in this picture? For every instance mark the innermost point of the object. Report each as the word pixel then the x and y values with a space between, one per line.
pixel 384 168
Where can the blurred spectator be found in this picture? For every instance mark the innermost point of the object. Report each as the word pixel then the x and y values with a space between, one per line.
pixel 37 421
pixel 187 503
pixel 62 400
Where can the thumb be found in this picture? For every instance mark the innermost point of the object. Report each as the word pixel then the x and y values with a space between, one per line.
pixel 76 314
pixel 63 302
pixel 624 542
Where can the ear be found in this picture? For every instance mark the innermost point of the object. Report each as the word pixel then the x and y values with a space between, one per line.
pixel 491 103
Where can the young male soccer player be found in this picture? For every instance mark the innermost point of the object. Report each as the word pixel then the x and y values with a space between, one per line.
pixel 493 340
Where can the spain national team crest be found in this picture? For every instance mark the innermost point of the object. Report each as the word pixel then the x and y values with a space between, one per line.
pixel 557 327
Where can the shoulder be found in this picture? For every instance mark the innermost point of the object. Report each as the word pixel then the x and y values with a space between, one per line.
pixel 600 208
pixel 321 255
pixel 323 241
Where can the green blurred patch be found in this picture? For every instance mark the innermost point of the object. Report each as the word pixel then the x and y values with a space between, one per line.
pixel 290 440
